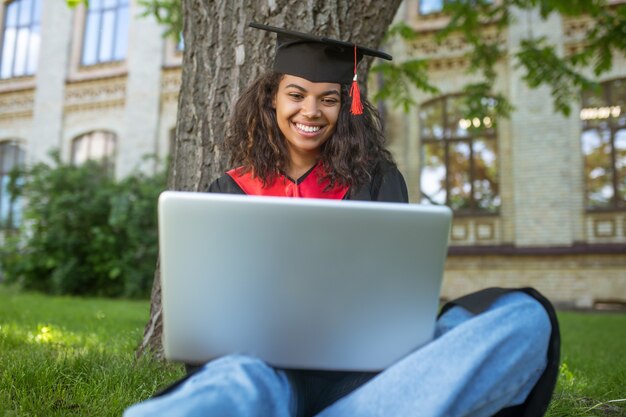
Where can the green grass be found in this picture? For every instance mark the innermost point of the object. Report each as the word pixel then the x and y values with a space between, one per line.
pixel 69 356
pixel 592 381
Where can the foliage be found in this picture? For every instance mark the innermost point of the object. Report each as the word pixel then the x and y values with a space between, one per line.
pixel 398 76
pixel 74 3
pixel 167 12
pixel 542 64
pixel 83 232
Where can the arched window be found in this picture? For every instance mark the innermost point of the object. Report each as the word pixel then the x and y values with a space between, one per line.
pixel 458 157
pixel 603 143
pixel 106 32
pixel 97 146
pixel 20 38
pixel 11 158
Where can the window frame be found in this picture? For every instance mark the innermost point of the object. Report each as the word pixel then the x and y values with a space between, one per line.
pixel 445 141
pixel 117 10
pixel 109 159
pixel 34 21
pixel 616 203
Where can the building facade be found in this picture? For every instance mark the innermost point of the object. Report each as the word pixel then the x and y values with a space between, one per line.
pixel 539 198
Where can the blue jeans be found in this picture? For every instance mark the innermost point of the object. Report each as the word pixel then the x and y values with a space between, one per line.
pixel 475 366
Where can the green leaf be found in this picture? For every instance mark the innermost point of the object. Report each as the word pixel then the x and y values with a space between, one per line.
pixel 398 80
pixel 74 3
pixel 168 13
pixel 544 67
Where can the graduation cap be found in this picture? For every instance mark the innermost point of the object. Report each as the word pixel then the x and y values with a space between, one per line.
pixel 319 59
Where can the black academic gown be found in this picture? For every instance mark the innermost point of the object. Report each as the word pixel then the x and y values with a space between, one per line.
pixel 385 185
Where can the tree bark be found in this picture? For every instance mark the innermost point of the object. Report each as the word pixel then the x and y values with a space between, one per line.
pixel 222 56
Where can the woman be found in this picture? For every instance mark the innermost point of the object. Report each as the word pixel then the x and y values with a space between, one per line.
pixel 293 132
pixel 300 132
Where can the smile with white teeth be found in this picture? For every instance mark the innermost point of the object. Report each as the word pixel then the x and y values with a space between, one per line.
pixel 308 129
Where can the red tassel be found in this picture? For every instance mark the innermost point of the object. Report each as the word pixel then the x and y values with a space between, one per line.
pixel 355 92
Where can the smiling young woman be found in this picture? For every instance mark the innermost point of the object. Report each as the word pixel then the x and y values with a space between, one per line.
pixel 301 131
pixel 290 136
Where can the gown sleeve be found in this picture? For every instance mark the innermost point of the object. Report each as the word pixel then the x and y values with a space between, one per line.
pixel 387 184
pixel 392 187
pixel 225 185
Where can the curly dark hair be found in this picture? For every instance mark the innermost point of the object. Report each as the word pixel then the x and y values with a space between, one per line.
pixel 349 157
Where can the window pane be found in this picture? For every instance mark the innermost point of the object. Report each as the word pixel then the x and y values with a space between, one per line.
pixel 25 12
pixel 90 45
pixel 598 172
pixel 5 200
pixel 121 34
pixel 455 118
pixel 431 120
pixel 486 187
pixel 98 146
pixel 106 40
pixel 11 156
pixel 594 99
pixel 109 3
pixel 617 90
pixel 620 165
pixel 33 51
pixel 37 12
pixel 20 53
pixel 79 150
pixel 433 174
pixel 592 102
pixel 430 6
pixel 7 157
pixel 8 53
pixel 16 209
pixel 458 176
pixel 11 14
pixel 95 4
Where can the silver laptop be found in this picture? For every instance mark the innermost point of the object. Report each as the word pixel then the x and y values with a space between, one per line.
pixel 299 283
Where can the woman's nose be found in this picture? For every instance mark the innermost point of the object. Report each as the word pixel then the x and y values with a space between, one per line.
pixel 310 107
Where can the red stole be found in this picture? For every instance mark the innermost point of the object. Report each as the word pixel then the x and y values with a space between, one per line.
pixel 283 186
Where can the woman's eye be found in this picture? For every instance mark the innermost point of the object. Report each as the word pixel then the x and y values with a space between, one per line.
pixel 330 101
pixel 296 96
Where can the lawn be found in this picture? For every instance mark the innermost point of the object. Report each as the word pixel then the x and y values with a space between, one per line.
pixel 68 356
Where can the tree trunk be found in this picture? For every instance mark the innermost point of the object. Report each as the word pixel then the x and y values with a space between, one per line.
pixel 222 56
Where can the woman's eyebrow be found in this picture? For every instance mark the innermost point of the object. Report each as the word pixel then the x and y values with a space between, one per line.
pixel 325 93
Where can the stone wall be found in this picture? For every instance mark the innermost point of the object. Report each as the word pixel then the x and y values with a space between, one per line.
pixel 582 280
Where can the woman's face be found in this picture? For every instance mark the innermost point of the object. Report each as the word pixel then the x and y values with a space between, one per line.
pixel 307 114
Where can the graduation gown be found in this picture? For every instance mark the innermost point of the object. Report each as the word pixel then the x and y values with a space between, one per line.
pixel 387 184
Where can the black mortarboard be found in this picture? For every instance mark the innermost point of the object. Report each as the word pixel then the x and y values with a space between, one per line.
pixel 319 59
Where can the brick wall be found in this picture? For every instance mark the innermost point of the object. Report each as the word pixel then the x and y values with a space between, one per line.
pixel 578 280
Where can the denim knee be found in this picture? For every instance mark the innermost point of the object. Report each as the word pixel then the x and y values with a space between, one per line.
pixel 527 321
